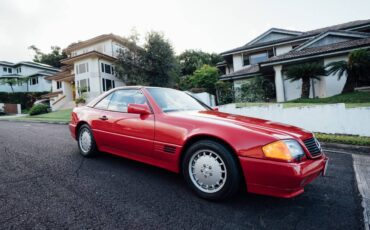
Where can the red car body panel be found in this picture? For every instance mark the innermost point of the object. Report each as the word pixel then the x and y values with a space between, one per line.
pixel 160 139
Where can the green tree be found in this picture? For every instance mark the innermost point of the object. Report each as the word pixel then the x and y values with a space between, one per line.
pixel 159 61
pixel 305 72
pixel 154 64
pixel 9 81
pixel 130 63
pixel 224 92
pixel 53 58
pixel 205 77
pixel 356 68
pixel 190 60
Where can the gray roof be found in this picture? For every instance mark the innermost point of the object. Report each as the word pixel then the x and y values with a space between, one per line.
pixel 307 34
pixel 29 63
pixel 331 48
pixel 250 70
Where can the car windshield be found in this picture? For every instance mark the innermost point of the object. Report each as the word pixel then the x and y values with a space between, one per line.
pixel 171 100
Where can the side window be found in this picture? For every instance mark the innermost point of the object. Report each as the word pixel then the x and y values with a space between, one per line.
pixel 103 104
pixel 121 98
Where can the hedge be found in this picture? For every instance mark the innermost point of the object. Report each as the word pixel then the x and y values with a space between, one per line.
pixel 26 99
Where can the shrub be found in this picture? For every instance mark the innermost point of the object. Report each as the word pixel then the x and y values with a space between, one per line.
pixel 80 100
pixel 38 109
pixel 257 89
pixel 224 92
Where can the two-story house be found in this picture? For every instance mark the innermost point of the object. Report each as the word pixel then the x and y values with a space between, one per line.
pixel 270 53
pixel 25 76
pixel 88 71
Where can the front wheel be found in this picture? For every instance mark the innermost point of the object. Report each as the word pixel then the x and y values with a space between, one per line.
pixel 86 142
pixel 211 170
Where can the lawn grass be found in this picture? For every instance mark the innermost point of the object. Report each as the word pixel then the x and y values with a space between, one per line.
pixel 351 100
pixel 57 116
pixel 343 139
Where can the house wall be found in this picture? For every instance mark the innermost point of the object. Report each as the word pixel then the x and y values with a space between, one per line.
pixel 108 47
pixel 327 86
pixel 333 85
pixel 237 62
pixel 43 85
pixel 279 50
pixel 95 76
pixel 102 47
pixel 318 118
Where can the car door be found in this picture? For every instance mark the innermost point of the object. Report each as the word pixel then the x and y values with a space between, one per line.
pixel 127 133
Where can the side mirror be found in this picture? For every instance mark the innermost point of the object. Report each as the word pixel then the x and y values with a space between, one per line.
pixel 215 109
pixel 141 109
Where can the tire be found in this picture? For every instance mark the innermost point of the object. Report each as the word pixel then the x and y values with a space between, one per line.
pixel 86 142
pixel 211 170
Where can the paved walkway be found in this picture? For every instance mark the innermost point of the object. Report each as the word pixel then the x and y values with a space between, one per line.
pixel 361 165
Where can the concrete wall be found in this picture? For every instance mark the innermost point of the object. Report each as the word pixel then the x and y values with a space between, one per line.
pixel 334 118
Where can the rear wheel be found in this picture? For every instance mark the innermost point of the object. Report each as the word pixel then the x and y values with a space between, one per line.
pixel 211 170
pixel 86 142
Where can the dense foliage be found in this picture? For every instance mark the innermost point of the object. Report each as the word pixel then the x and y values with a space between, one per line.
pixel 191 60
pixel 38 109
pixel 53 58
pixel 258 89
pixel 25 99
pixel 154 64
pixel 224 92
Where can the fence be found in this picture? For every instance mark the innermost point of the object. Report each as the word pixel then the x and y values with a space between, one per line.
pixel 332 118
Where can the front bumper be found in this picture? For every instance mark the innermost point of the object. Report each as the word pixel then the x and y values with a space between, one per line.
pixel 280 179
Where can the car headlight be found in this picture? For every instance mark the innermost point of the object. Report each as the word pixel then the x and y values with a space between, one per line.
pixel 283 150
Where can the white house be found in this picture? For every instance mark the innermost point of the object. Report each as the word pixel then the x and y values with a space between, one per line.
pixel 270 53
pixel 28 76
pixel 88 71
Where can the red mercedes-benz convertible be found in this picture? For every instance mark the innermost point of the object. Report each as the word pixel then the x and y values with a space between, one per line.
pixel 216 152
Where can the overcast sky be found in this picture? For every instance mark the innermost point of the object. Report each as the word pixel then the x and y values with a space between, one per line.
pixel 212 26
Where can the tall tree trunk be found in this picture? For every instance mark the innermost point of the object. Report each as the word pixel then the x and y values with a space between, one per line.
pixel 11 86
pixel 349 86
pixel 305 87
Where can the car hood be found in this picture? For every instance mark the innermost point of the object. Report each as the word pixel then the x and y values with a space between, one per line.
pixel 271 128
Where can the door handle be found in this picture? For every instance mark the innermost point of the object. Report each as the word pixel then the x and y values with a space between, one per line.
pixel 104 118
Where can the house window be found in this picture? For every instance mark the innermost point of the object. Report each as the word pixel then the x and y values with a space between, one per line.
pixel 19 70
pixel 108 84
pixel 257 58
pixel 34 80
pixel 246 59
pixel 82 68
pixel 83 86
pixel 106 68
pixel 59 84
pixel 4 69
pixel 9 70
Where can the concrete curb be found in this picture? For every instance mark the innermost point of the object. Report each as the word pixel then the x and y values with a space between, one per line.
pixel 344 148
pixel 45 122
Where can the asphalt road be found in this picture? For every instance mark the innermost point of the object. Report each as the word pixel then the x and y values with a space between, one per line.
pixel 45 183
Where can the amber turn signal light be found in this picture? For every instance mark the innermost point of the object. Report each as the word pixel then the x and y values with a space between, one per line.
pixel 277 150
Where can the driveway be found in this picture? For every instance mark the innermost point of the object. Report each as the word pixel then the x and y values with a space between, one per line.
pixel 45 183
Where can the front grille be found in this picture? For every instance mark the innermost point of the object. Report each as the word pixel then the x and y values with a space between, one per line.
pixel 312 146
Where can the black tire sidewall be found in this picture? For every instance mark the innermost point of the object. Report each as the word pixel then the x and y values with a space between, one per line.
pixel 232 182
